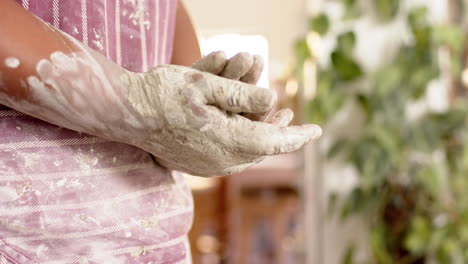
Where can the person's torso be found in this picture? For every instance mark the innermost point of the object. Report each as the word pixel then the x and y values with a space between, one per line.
pixel 67 197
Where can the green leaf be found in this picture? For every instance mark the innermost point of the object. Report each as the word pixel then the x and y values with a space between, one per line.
pixel 387 9
pixel 302 52
pixel 422 37
pixel 389 79
pixel 439 235
pixel 346 68
pixel 366 104
pixel 348 257
pixel 347 42
pixel 327 102
pixel 315 112
pixel 424 136
pixel 419 235
pixel 355 203
pixel 339 147
pixel 420 78
pixel 388 141
pixel 463 230
pixel 352 9
pixel 449 122
pixel 378 236
pixel 450 36
pixel 427 177
pixel 448 251
pixel 332 204
pixel 320 24
pixel 417 17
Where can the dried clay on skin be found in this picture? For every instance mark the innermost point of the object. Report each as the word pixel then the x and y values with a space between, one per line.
pixel 12 62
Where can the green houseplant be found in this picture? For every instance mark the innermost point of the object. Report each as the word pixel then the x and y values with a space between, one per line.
pixel 413 173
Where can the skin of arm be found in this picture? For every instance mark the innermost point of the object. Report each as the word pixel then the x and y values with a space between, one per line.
pixel 186 50
pixel 185 117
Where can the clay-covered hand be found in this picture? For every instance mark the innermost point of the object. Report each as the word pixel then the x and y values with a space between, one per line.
pixel 186 118
pixel 195 126
pixel 244 67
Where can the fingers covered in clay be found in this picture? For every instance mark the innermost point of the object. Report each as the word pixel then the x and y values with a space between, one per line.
pixel 213 63
pixel 226 171
pixel 243 66
pixel 238 66
pixel 266 139
pixel 253 75
pixel 237 97
pixel 262 117
pixel 198 130
pixel 282 118
pixel 287 139
pixel 240 168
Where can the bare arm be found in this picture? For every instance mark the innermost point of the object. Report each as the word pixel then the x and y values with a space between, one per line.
pixel 26 42
pixel 186 46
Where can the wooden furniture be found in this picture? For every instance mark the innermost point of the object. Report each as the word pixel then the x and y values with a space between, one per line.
pixel 249 218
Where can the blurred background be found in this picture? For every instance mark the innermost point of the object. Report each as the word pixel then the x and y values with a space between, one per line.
pixel 388 182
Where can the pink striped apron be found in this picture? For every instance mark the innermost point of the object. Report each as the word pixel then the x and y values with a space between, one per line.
pixel 67 197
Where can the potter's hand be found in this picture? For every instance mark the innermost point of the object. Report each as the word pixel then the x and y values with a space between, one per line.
pixel 197 129
pixel 245 68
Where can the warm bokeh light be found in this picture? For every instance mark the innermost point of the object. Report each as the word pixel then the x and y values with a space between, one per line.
pixel 465 77
pixel 292 87
pixel 207 244
pixel 314 41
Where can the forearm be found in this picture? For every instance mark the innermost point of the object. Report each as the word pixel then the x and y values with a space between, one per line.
pixel 186 46
pixel 26 40
pixel 51 76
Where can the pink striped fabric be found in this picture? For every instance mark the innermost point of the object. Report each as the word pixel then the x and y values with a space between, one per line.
pixel 67 197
